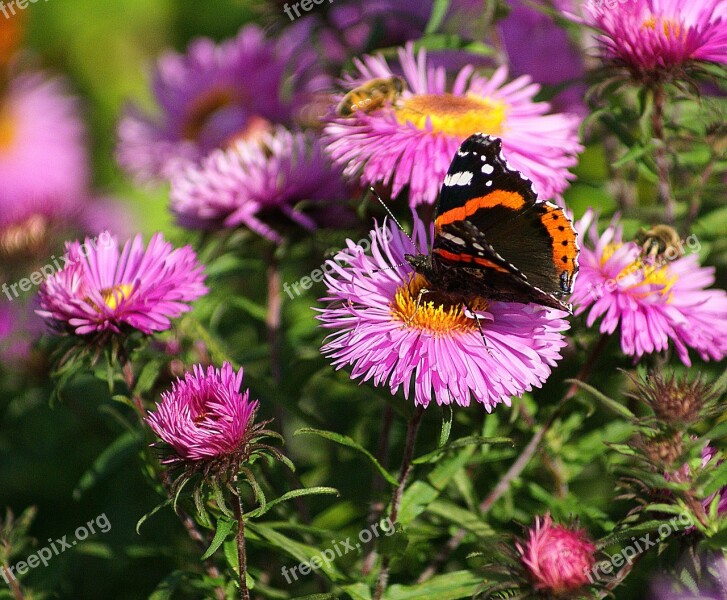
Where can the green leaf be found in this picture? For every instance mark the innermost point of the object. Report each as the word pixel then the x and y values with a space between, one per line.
pixel 110 460
pixel 633 154
pixel 224 526
pixel 311 491
pixel 151 513
pixel 470 440
pixel 717 479
pixel 615 406
pixel 461 517
pixel 148 377
pixel 358 591
pixel 298 550
pixel 447 416
pixel 451 586
pixel 167 586
pixel 439 11
pixel 344 440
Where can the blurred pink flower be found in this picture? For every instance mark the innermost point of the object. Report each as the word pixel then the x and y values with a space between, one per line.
pixel 215 94
pixel 43 161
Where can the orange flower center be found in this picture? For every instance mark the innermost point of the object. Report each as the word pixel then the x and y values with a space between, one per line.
pixel 7 128
pixel 459 116
pixel 204 108
pixel 670 27
pixel 435 313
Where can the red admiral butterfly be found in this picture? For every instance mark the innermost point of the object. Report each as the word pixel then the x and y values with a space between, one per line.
pixel 493 238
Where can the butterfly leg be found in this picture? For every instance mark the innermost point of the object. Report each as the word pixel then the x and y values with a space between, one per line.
pixel 479 326
pixel 418 304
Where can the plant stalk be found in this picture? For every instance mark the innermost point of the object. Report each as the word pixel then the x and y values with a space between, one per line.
pixel 411 436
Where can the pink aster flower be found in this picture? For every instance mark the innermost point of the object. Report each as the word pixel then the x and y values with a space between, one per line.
pixel 655 38
pixel 212 95
pixel 252 184
pixel 410 143
pixel 379 330
pixel 558 558
pixel 205 415
pixel 652 302
pixel 43 161
pixel 100 289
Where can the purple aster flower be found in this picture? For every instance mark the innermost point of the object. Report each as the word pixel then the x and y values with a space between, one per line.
pixel 655 39
pixel 102 290
pixel 708 454
pixel 253 184
pixel 437 346
pixel 43 161
pixel 213 95
pixel 652 302
pixel 410 144
pixel 711 584
pixel 536 46
pixel 205 415
pixel 19 330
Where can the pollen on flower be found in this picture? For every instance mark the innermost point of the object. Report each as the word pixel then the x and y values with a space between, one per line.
pixel 642 272
pixel 114 296
pixel 670 27
pixel 437 315
pixel 453 115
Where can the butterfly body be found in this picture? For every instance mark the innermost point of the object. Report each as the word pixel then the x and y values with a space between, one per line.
pixel 493 239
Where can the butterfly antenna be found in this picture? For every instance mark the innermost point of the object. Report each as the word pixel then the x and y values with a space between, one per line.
pixel 391 214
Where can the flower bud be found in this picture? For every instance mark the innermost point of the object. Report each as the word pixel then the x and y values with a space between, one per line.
pixel 558 558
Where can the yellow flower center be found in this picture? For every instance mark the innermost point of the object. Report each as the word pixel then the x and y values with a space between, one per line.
pixel 669 26
pixel 116 295
pixel 7 129
pixel 436 313
pixel 454 115
pixel 647 273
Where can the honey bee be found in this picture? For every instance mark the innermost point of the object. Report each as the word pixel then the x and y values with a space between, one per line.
pixel 660 243
pixel 370 96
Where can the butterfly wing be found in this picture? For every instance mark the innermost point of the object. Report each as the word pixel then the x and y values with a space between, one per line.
pixel 533 241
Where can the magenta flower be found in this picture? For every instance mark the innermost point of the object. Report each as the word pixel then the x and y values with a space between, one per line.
pixel 251 184
pixel 205 415
pixel 212 95
pixel 43 161
pixel 558 558
pixel 652 303
pixel 411 143
pixel 656 38
pixel 100 290
pixel 437 346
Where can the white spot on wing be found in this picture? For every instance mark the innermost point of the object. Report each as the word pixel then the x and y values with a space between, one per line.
pixel 487 169
pixel 461 178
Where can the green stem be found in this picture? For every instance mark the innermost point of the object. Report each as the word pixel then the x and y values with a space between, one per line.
pixel 662 160
pixel 519 465
pixel 411 436
pixel 241 554
pixel 13 583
